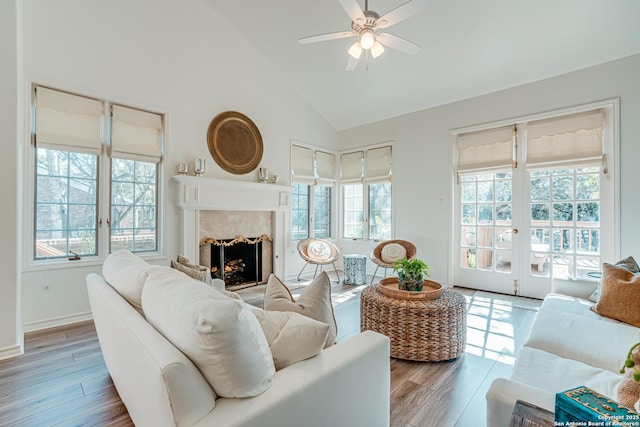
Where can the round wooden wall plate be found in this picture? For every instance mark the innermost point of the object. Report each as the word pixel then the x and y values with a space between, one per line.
pixel 234 142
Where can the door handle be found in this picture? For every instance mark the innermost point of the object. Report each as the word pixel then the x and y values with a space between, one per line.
pixel 514 231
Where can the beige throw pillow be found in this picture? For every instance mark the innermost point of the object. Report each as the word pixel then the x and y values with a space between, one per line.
pixel 221 336
pixel 292 337
pixel 314 302
pixel 391 252
pixel 619 295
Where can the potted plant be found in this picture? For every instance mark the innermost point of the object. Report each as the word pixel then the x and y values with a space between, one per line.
pixel 411 274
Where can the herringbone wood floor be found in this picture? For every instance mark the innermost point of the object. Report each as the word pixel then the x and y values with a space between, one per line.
pixel 62 380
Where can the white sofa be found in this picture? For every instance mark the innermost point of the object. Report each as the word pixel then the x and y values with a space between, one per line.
pixel 569 345
pixel 347 384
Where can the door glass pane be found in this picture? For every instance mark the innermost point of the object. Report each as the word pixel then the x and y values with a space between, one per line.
pixel 565 230
pixel 485 222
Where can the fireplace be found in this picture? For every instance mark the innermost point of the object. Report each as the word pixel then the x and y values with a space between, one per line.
pixel 228 209
pixel 239 262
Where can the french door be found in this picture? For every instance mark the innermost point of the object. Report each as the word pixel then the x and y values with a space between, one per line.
pixel 524 218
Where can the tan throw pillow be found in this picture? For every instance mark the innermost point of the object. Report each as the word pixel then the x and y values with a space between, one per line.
pixel 619 295
pixel 194 273
pixel 314 302
pixel 292 337
pixel 391 252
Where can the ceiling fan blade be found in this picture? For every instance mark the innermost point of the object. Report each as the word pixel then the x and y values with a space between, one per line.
pixel 401 12
pixel 352 63
pixel 398 43
pixel 327 36
pixel 353 9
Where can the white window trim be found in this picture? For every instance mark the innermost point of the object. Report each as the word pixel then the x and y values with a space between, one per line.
pixel 612 155
pixel 103 209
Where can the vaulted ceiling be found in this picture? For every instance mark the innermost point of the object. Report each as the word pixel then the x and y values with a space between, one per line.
pixel 469 48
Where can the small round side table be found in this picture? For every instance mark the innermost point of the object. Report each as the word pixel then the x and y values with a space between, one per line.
pixel 355 269
pixel 422 330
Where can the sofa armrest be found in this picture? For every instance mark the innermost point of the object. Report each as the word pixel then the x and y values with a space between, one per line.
pixel 502 396
pixel 347 384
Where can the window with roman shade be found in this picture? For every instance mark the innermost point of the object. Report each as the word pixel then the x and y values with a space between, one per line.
pixel 313 174
pixel 378 165
pixel 69 220
pixel 351 167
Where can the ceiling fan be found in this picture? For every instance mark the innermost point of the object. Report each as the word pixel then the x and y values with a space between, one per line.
pixel 366 25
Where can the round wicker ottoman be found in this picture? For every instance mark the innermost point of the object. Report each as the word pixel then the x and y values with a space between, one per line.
pixel 422 330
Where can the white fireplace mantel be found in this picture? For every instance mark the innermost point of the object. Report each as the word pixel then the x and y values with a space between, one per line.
pixel 197 194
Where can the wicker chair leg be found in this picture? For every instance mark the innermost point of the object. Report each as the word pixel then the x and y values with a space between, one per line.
pixel 303 267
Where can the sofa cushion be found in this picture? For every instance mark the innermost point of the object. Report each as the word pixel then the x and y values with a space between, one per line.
pixel 314 302
pixel 292 337
pixel 126 273
pixel 586 339
pixel 619 295
pixel 220 335
pixel 554 374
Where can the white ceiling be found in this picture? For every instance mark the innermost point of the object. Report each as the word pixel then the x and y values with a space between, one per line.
pixel 469 48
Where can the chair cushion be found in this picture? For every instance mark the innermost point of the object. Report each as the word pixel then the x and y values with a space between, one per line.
pixel 292 337
pixel 319 251
pixel 220 335
pixel 126 273
pixel 314 302
pixel 391 252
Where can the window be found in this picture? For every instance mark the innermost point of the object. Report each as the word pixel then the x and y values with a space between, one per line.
pixel 367 173
pixel 313 177
pixel 69 136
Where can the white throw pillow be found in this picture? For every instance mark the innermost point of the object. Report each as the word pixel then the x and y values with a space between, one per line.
pixel 126 273
pixel 220 335
pixel 314 302
pixel 319 251
pixel 292 337
pixel 391 252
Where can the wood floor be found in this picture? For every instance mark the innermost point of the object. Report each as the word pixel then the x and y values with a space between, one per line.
pixel 62 380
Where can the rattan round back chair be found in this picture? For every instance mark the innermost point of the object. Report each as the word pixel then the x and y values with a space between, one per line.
pixel 318 252
pixel 377 257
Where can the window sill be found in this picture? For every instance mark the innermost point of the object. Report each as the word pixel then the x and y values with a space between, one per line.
pixel 83 262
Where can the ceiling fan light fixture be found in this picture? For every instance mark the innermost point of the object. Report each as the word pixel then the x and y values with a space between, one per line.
pixel 376 50
pixel 367 39
pixel 355 50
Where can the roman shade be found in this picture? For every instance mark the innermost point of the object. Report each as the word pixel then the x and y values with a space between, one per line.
pixel 325 168
pixel 565 140
pixel 486 150
pixel 378 165
pixel 67 122
pixel 135 134
pixel 352 167
pixel 302 165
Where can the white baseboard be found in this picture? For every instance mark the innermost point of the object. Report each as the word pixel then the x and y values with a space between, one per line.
pixel 56 321
pixel 13 351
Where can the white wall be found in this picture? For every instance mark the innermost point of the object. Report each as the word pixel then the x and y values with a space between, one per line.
pixel 176 56
pixel 10 336
pixel 422 154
